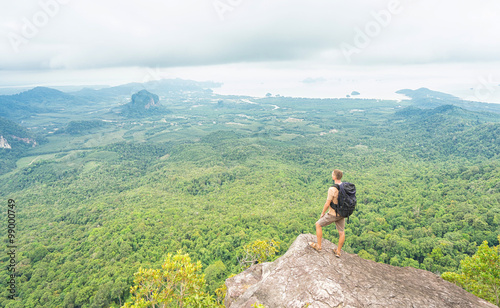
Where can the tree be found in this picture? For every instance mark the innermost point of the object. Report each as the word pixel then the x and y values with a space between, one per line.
pixel 480 273
pixel 259 251
pixel 178 284
pixel 214 275
pixel 366 255
pixel 118 288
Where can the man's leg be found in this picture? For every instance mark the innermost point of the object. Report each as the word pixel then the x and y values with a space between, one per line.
pixel 341 241
pixel 341 229
pixel 319 234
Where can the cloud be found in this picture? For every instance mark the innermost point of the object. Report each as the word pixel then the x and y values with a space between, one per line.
pixel 98 34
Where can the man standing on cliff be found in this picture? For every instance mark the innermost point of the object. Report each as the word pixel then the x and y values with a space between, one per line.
pixel 331 216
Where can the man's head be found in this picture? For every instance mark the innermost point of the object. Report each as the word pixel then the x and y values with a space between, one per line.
pixel 337 174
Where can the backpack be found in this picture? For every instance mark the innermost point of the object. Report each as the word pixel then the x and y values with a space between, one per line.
pixel 346 199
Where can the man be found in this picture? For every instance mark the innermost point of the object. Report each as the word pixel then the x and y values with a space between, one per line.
pixel 331 216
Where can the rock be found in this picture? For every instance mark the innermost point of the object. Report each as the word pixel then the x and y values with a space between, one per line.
pixel 304 276
pixel 4 144
pixel 144 99
pixel 143 104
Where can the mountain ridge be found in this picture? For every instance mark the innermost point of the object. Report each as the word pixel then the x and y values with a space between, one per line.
pixel 426 98
pixel 160 87
pixel 37 100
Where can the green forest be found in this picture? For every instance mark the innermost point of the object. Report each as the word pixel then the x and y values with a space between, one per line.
pixel 96 201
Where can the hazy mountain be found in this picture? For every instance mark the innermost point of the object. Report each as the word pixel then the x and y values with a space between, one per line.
pixel 143 103
pixel 36 100
pixel 452 113
pixel 425 98
pixel 12 108
pixel 161 87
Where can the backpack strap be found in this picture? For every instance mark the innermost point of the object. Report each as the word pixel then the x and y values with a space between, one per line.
pixel 333 205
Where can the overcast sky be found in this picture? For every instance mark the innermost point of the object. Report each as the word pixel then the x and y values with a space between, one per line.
pixel 289 42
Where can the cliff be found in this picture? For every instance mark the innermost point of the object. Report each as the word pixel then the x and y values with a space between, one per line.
pixel 4 144
pixel 143 103
pixel 304 276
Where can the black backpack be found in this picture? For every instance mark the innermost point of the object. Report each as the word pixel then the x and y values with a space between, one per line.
pixel 346 199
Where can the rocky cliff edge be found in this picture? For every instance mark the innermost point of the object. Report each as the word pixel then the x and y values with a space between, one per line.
pixel 303 277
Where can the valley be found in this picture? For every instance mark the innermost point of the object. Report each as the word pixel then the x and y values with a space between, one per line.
pixel 107 191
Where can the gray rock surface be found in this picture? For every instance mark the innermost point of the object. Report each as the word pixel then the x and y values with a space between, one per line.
pixel 304 276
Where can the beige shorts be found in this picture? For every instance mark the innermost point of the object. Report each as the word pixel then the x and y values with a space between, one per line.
pixel 328 219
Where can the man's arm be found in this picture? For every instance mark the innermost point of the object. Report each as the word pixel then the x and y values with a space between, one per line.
pixel 328 201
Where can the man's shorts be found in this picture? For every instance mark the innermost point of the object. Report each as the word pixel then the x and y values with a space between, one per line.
pixel 328 219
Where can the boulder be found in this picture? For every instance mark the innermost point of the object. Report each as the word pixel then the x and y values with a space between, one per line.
pixel 304 277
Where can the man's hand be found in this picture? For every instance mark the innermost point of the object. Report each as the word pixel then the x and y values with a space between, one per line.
pixel 322 214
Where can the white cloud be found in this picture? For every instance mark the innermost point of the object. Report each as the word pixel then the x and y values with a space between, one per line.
pixel 170 33
pixel 91 34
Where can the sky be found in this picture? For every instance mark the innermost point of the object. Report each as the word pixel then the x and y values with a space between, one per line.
pixel 321 48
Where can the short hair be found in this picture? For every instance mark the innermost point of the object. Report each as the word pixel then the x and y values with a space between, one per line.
pixel 338 174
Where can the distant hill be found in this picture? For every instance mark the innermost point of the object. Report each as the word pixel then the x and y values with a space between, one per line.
pixel 42 100
pixel 425 98
pixel 452 113
pixel 44 96
pixel 36 100
pixel 143 103
pixel 12 108
pixel 428 98
pixel 161 87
